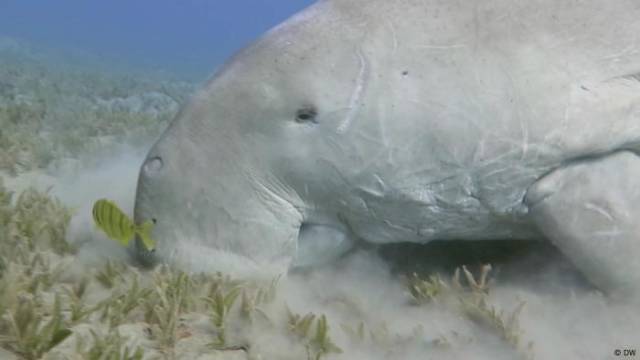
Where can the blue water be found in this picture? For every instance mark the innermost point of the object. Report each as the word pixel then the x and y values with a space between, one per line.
pixel 191 36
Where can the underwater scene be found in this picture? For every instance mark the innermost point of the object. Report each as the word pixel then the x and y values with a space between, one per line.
pixel 154 206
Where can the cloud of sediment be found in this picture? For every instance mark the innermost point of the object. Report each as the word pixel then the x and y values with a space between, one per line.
pixel 561 318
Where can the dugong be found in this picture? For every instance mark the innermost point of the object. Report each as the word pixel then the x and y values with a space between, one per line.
pixel 410 120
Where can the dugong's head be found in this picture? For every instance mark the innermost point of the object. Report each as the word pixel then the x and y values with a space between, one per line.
pixel 255 154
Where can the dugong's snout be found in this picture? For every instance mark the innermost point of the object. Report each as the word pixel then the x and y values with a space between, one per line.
pixel 213 218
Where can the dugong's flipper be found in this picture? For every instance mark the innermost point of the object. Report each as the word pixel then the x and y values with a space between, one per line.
pixel 320 244
pixel 591 211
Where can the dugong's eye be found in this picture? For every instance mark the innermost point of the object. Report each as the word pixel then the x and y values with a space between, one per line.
pixel 306 114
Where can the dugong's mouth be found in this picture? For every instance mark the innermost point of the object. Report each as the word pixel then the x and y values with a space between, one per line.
pixel 194 254
pixel 143 256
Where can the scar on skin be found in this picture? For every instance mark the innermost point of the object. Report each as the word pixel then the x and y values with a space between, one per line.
pixel 356 95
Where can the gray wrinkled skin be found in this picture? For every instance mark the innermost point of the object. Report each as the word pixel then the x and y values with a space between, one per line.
pixel 397 120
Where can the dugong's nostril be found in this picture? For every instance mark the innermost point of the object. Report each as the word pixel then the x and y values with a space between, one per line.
pixel 153 165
